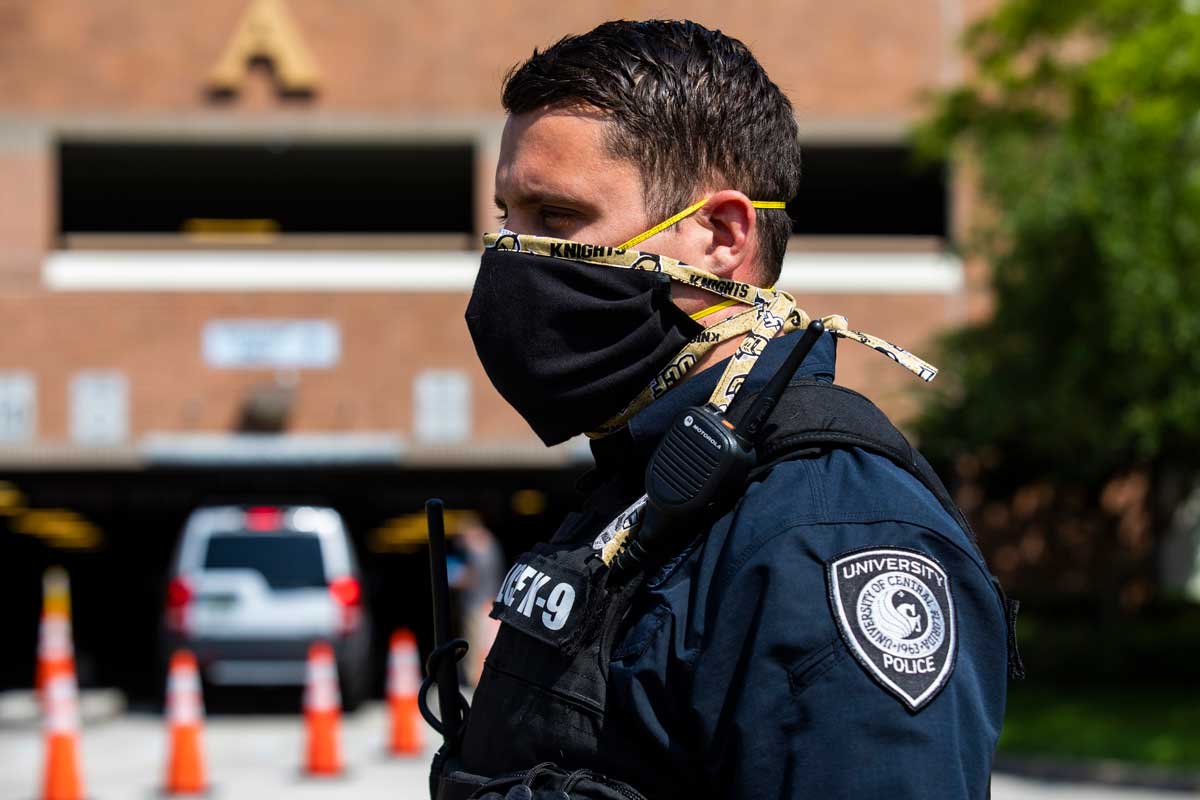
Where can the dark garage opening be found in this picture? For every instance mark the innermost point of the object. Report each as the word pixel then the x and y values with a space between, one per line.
pixel 118 589
pixel 358 188
pixel 869 191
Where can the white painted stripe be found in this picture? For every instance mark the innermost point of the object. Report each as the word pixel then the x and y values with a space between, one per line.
pixel 423 271
pixel 215 270
pixel 220 449
pixel 866 273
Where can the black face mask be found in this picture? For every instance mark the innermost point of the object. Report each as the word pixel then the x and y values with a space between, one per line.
pixel 567 344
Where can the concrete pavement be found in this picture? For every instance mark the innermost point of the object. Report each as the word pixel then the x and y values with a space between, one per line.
pixel 1009 787
pixel 256 756
pixel 248 758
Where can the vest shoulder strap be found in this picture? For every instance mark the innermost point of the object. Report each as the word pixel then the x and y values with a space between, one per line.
pixel 814 414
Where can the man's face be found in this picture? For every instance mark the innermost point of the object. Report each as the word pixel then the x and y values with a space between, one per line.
pixel 556 178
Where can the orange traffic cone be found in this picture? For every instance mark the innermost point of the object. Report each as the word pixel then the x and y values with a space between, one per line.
pixel 185 721
pixel 55 651
pixel 60 703
pixel 323 712
pixel 404 684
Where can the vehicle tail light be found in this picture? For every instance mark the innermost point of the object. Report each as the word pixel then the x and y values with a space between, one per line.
pixel 179 593
pixel 347 593
pixel 263 519
pixel 179 599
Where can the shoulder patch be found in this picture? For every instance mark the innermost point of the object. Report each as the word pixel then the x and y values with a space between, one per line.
pixel 551 594
pixel 895 611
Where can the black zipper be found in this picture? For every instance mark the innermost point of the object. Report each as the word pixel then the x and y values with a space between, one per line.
pixel 526 776
pixel 624 789
pixel 519 776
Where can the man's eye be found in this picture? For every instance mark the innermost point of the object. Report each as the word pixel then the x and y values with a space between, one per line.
pixel 557 217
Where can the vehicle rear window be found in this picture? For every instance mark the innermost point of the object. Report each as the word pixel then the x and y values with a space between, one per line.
pixel 291 561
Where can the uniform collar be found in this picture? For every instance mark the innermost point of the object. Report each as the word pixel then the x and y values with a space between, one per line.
pixel 632 445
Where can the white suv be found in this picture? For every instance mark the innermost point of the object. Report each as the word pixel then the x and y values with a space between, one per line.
pixel 253 586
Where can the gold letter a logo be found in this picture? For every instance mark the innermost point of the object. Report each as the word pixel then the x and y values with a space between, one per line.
pixel 266 31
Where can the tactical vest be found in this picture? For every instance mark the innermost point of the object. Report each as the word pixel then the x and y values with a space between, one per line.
pixel 542 696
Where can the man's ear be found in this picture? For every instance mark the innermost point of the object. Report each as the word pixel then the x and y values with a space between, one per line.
pixel 728 216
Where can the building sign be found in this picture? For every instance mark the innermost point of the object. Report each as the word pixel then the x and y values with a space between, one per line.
pixel 18 407
pixel 99 407
pixel 442 406
pixel 272 343
pixel 266 32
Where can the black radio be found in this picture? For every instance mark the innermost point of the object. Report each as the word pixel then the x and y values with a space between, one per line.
pixel 702 459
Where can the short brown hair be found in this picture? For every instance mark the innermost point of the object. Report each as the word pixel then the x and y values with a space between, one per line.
pixel 689 106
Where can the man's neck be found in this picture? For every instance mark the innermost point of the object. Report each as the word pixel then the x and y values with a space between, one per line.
pixel 723 350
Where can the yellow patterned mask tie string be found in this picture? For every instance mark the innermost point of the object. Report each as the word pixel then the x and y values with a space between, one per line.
pixel 710 310
pixel 687 212
pixel 682 215
pixel 770 313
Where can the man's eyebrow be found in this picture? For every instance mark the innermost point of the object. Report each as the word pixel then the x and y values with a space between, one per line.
pixel 550 198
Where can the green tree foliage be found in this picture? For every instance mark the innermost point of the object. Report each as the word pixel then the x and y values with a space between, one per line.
pixel 1083 119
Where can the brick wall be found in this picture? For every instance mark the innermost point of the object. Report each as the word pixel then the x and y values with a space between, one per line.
pixel 131 68
pixel 854 58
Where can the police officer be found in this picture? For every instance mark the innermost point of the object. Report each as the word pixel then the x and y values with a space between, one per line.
pixel 832 630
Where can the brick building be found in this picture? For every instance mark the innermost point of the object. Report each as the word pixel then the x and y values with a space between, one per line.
pixel 175 249
pixel 242 233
